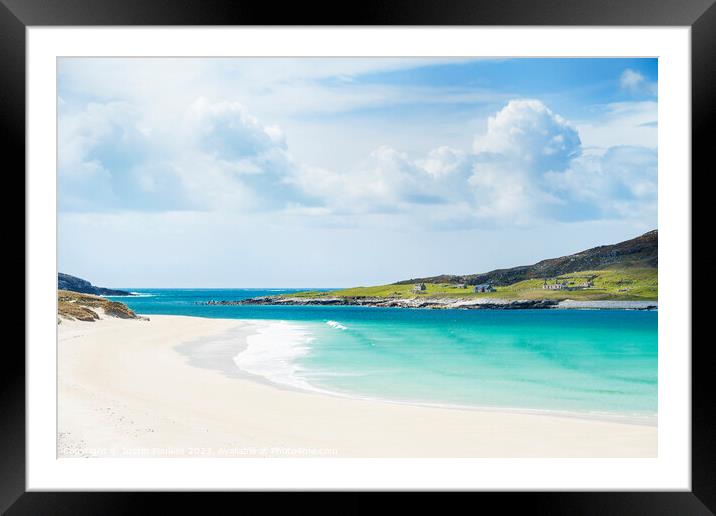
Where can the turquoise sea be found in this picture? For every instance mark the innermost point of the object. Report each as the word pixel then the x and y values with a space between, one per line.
pixel 600 363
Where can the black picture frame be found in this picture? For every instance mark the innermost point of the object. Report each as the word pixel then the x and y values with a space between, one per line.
pixel 16 15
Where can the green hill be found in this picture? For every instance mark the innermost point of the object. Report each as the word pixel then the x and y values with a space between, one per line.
pixel 640 252
pixel 627 271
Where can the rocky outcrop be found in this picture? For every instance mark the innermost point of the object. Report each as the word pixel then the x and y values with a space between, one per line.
pixel 642 251
pixel 437 303
pixel 415 302
pixel 75 284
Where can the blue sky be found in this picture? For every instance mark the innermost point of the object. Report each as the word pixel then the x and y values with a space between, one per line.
pixel 337 172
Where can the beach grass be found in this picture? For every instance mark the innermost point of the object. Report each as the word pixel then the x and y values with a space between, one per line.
pixel 87 307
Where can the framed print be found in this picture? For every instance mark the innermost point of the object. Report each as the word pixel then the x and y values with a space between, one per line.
pixel 416 253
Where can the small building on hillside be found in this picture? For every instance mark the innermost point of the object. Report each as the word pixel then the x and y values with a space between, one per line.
pixel 460 285
pixel 419 287
pixel 554 286
pixel 483 287
pixel 586 284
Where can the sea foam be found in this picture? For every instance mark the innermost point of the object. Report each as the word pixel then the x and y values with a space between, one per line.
pixel 336 325
pixel 133 294
pixel 273 351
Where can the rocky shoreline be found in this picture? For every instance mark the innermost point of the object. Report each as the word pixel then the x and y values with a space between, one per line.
pixel 75 284
pixel 436 303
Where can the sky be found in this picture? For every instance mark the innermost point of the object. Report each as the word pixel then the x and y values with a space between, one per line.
pixel 327 172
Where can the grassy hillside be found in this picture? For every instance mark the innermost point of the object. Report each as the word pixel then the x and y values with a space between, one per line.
pixel 641 252
pixel 88 308
pixel 630 283
pixel 627 284
pixel 627 271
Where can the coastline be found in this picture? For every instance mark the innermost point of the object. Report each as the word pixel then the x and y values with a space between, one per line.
pixel 445 303
pixel 227 353
pixel 124 389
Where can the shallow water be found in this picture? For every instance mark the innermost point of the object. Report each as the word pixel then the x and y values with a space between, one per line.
pixel 591 362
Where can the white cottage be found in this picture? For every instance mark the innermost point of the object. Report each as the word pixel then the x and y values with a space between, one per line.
pixel 483 287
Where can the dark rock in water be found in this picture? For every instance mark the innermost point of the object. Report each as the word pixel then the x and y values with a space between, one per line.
pixel 67 282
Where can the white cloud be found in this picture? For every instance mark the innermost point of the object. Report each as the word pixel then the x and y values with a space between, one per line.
pixel 98 147
pixel 500 182
pixel 444 161
pixel 621 183
pixel 524 141
pixel 386 181
pixel 527 167
pixel 526 132
pixel 226 130
pixel 212 156
pixel 330 108
pixel 635 83
pixel 621 123
pixel 275 88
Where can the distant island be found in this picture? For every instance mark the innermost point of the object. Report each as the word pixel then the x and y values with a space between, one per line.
pixel 623 275
pixel 75 284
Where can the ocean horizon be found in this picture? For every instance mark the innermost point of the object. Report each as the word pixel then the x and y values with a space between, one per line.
pixel 590 363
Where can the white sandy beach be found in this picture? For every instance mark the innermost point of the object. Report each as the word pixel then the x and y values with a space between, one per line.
pixel 125 391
